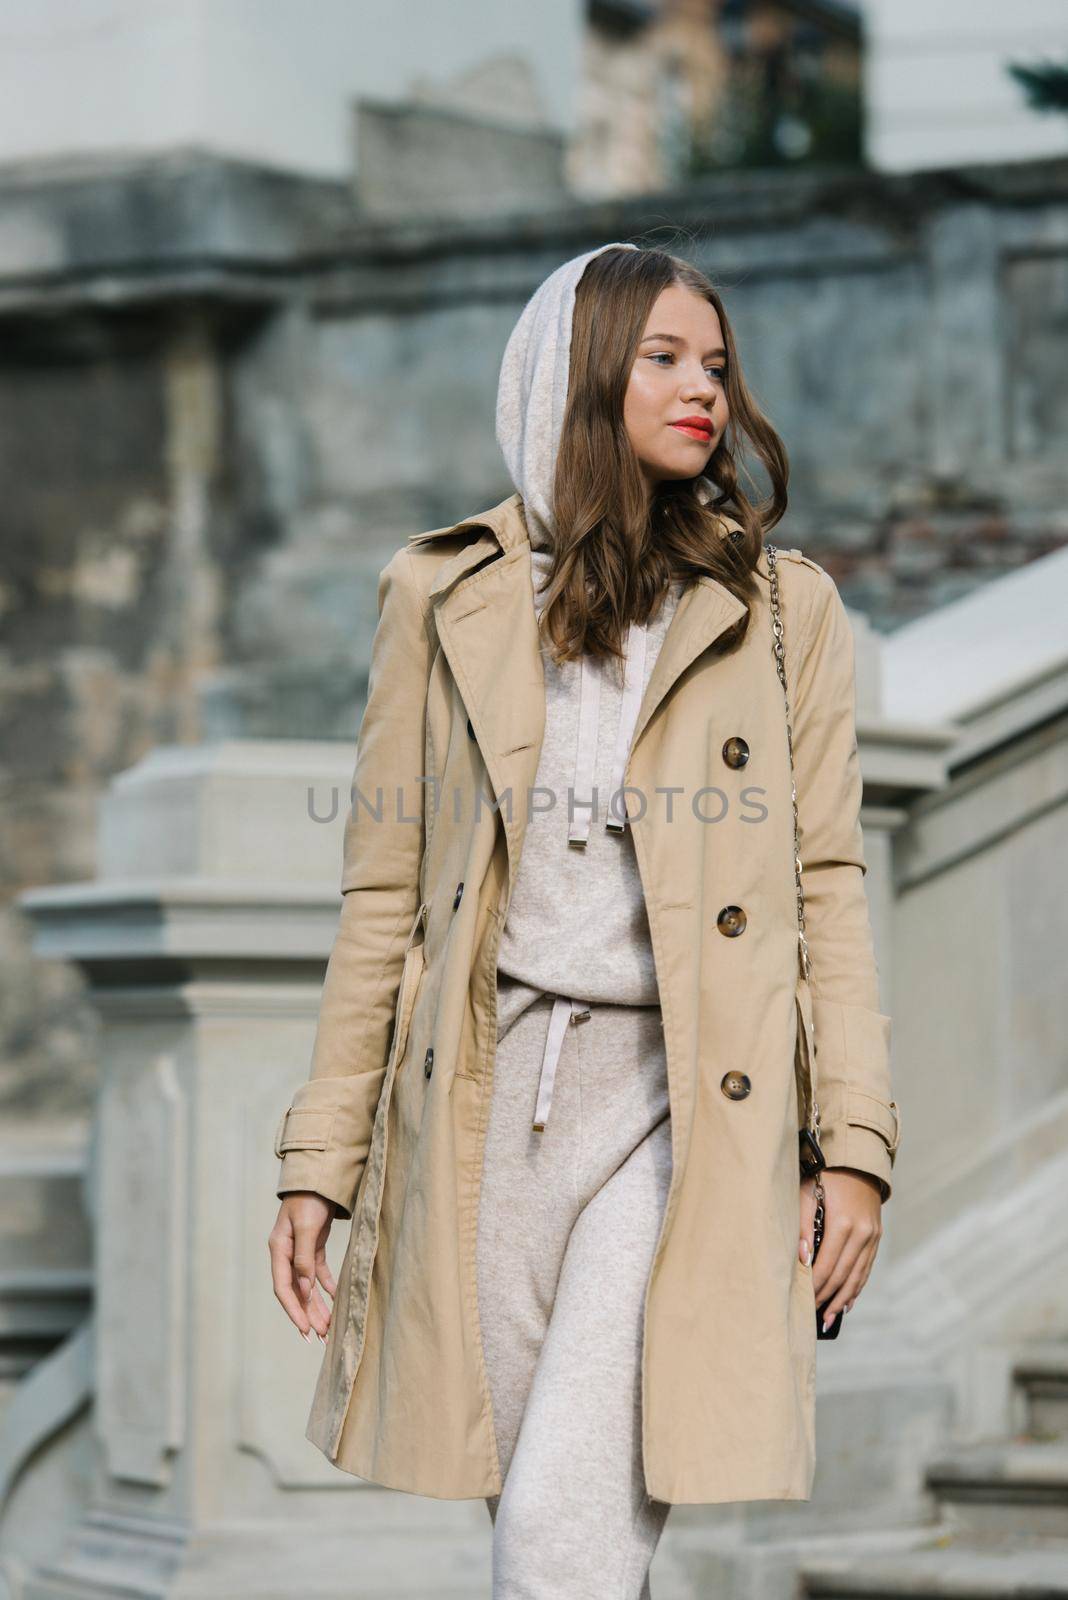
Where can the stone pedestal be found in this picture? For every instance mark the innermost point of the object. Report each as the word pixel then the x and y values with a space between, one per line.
pixel 204 940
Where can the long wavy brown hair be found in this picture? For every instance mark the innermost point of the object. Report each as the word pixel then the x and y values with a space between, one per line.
pixel 613 554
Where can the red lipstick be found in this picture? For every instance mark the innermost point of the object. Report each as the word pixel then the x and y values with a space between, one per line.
pixel 695 427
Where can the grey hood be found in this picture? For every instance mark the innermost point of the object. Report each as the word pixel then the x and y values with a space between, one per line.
pixel 532 390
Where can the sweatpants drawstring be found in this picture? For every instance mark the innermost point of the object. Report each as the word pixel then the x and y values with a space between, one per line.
pixel 565 1010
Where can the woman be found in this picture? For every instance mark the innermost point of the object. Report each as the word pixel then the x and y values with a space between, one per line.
pixel 558 1075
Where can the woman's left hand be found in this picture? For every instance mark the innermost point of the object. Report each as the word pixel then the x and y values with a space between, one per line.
pixel 852 1228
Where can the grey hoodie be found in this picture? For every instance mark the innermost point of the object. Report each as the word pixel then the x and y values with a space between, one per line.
pixel 576 925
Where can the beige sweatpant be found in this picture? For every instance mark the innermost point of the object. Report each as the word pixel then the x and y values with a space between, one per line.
pixel 568 1222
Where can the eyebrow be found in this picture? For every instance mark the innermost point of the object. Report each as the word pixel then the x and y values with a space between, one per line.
pixel 673 338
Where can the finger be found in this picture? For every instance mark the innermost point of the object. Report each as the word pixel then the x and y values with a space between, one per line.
pixel 829 1292
pixel 281 1248
pixel 845 1300
pixel 319 1315
pixel 323 1273
pixel 864 1267
pixel 318 1310
pixel 838 1254
pixel 305 1245
pixel 848 1275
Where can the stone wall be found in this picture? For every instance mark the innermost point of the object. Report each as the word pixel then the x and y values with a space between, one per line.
pixel 226 396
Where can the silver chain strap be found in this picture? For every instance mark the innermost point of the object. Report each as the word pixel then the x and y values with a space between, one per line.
pixel 802 940
pixel 780 663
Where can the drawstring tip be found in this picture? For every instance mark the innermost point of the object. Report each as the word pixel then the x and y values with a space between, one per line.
pixel 539 1127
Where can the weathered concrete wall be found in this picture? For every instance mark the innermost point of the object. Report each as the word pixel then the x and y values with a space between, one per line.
pixel 224 400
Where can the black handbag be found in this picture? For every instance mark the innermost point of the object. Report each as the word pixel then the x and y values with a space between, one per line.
pixel 811 1157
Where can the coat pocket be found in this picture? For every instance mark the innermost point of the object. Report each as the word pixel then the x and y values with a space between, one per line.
pixel 365 1233
pixel 409 985
pixel 805 1052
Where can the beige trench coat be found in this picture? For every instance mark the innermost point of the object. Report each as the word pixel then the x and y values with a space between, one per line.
pixel 392 1122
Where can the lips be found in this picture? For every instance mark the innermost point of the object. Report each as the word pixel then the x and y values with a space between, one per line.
pixel 694 428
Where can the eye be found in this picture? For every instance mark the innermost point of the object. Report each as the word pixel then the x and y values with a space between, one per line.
pixel 719 373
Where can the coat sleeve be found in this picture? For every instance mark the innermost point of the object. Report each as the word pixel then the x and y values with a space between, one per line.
pixel 324 1135
pixel 859 1124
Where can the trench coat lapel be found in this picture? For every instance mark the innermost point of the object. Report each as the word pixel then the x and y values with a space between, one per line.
pixel 488 629
pixel 705 610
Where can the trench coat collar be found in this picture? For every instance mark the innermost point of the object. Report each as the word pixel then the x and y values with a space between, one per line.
pixel 503 528
pixel 483 603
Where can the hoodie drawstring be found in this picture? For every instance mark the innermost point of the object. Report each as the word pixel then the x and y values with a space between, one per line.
pixel 586 749
pixel 633 684
pixel 566 1009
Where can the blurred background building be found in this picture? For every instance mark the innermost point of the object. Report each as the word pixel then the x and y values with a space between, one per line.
pixel 633 94
pixel 258 264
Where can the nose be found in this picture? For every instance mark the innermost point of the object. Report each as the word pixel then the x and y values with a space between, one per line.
pixel 698 386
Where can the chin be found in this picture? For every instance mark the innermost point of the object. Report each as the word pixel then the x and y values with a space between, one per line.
pixel 678 473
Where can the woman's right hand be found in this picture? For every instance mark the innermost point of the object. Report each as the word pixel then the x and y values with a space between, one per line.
pixel 297 1243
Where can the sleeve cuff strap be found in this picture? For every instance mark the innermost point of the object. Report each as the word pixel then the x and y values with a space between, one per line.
pixel 865 1137
pixel 323 1137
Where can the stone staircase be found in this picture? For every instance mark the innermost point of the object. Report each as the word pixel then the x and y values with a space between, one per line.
pixel 1000 1525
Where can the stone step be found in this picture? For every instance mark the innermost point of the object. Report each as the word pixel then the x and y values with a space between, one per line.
pixel 1004 1487
pixel 1042 1374
pixel 949 1569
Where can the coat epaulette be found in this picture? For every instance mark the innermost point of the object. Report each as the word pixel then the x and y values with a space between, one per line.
pixel 794 554
pixel 729 528
pixel 439 533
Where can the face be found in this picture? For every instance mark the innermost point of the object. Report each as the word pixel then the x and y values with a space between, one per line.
pixel 675 410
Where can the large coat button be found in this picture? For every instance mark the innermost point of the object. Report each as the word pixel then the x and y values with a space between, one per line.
pixel 428 1061
pixel 456 898
pixel 731 921
pixel 735 1085
pixel 735 751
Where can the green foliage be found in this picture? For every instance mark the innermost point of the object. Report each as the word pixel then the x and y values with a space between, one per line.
pixel 1045 85
pixel 815 123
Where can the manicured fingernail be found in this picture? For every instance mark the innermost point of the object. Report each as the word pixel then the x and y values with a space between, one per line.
pixel 827 1321
pixel 305 1336
pixel 319 1336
